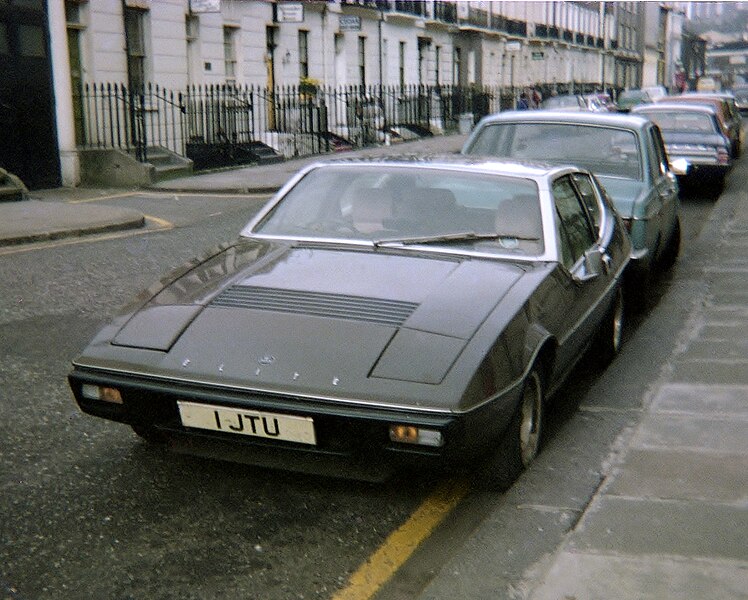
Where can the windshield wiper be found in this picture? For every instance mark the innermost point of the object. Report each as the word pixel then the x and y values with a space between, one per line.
pixel 462 236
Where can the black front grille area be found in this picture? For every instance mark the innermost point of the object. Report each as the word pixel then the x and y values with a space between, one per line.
pixel 336 306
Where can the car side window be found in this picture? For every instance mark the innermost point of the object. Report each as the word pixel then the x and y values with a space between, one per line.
pixel 575 229
pixel 589 196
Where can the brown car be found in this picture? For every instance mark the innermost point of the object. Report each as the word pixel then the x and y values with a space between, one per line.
pixel 727 114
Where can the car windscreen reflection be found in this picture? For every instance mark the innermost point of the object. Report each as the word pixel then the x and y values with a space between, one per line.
pixel 392 206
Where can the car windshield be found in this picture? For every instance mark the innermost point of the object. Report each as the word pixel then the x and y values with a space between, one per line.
pixel 602 150
pixel 387 205
pixel 682 121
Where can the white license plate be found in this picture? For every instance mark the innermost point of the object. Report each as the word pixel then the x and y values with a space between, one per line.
pixel 247 422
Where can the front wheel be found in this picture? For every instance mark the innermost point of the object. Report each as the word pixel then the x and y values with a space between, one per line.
pixel 520 443
pixel 609 337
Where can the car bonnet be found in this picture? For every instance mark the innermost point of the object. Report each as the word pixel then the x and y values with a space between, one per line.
pixel 320 322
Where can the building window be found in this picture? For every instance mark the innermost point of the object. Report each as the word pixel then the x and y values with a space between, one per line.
pixel 401 64
pixel 75 31
pixel 362 60
pixel 456 66
pixel 303 54
pixel 229 53
pixel 192 32
pixel 136 47
pixel 438 64
pixel 423 46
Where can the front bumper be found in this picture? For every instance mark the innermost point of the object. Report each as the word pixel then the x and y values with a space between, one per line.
pixel 351 441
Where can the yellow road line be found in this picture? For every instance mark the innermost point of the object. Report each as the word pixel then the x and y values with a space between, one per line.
pixel 162 225
pixel 151 194
pixel 401 543
pixel 98 198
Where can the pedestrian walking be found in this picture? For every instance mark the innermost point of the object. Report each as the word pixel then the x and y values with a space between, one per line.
pixel 535 98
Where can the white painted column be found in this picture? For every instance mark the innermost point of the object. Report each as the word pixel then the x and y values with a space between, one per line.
pixel 63 91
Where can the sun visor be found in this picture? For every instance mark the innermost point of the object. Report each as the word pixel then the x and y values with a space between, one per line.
pixel 418 356
pixel 156 327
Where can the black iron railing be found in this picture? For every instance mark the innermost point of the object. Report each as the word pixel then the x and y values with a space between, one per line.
pixel 115 116
pixel 217 125
pixel 290 120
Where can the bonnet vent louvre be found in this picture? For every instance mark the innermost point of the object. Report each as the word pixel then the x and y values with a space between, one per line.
pixel 336 306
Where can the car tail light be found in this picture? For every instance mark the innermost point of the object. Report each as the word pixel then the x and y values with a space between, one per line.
pixel 723 157
pixel 100 392
pixel 409 434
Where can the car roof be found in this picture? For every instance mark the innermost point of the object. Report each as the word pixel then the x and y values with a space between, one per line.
pixel 714 94
pixel 679 106
pixel 705 96
pixel 581 118
pixel 468 163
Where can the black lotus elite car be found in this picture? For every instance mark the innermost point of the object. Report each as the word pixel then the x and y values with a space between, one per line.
pixel 374 315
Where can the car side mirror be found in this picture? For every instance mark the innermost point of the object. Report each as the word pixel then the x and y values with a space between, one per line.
pixel 592 265
pixel 680 166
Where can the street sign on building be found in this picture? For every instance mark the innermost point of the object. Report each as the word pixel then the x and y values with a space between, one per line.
pixel 349 23
pixel 289 12
pixel 205 6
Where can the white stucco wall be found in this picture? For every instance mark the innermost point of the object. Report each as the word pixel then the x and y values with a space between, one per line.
pixel 333 54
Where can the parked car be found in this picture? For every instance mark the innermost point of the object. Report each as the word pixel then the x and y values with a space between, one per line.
pixel 593 103
pixel 727 112
pixel 707 84
pixel 692 132
pixel 607 102
pixel 627 155
pixel 629 98
pixel 655 92
pixel 564 102
pixel 740 92
pixel 374 314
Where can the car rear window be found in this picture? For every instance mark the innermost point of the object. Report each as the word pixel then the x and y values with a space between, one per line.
pixel 603 150
pixel 682 121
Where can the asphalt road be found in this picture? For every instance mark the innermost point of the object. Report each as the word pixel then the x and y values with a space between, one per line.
pixel 87 510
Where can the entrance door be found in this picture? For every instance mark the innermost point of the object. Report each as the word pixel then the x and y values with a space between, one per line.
pixel 28 143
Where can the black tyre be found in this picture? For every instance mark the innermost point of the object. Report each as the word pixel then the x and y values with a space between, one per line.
pixel 638 287
pixel 609 338
pixel 670 254
pixel 520 443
